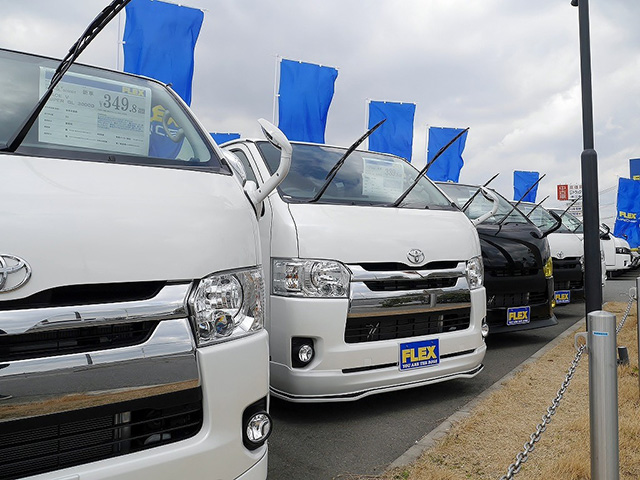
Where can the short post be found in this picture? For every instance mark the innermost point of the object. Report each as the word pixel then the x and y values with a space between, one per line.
pixel 603 396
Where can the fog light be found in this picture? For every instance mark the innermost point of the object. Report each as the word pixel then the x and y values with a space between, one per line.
pixel 305 353
pixel 258 428
pixel 302 352
pixel 484 330
pixel 256 424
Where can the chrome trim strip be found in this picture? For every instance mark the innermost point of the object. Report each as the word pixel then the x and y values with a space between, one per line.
pixel 170 303
pixel 366 303
pixel 359 274
pixel 165 363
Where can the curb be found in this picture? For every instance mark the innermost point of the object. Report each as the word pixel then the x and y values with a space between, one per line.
pixel 429 440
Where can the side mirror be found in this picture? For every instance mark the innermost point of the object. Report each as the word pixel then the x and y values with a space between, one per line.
pixel 278 140
pixel 236 165
pixel 492 198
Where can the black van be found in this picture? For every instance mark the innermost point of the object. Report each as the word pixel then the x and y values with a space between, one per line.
pixel 518 269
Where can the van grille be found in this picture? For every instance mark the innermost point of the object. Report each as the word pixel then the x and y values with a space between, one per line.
pixel 502 300
pixel 76 340
pixel 372 329
pixel 64 440
pixel 511 272
pixel 401 285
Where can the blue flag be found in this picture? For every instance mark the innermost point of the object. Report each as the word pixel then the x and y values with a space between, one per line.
pixel 159 40
pixel 448 165
pixel 395 135
pixel 522 182
pixel 304 97
pixel 220 138
pixel 628 208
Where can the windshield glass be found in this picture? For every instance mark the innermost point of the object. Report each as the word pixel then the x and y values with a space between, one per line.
pixel 480 205
pixel 541 217
pixel 365 178
pixel 570 221
pixel 98 115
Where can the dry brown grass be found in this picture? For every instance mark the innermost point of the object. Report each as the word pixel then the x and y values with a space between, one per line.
pixel 483 445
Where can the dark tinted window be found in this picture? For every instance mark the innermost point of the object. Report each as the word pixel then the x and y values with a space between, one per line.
pixel 365 178
pixel 98 115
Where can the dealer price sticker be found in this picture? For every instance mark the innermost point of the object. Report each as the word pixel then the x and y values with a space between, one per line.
pixel 420 354
pixel 95 113
pixel 518 315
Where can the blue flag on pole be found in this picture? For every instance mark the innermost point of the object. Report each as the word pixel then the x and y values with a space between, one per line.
pixel 304 97
pixel 628 208
pixel 159 40
pixel 522 182
pixel 448 165
pixel 220 138
pixel 395 135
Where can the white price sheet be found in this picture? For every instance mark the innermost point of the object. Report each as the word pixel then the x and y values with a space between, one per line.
pixel 95 113
pixel 382 178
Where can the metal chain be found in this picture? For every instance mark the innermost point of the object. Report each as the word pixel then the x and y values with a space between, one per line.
pixel 529 446
pixel 626 314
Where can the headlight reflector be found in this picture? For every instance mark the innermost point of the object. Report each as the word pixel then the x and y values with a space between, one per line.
pixel 310 278
pixel 548 268
pixel 475 272
pixel 228 305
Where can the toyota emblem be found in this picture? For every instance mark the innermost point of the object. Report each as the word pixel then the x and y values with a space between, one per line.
pixel 415 256
pixel 14 273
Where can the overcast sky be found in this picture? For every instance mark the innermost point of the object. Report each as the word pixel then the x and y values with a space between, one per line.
pixel 508 69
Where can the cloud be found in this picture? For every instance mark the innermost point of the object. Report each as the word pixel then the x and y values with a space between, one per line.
pixel 508 70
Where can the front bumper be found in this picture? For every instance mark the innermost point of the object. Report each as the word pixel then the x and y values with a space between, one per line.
pixel 515 292
pixel 149 404
pixel 217 450
pixel 343 371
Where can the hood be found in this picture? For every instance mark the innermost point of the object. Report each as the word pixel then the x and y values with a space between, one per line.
pixel 564 245
pixel 79 222
pixel 514 246
pixel 356 234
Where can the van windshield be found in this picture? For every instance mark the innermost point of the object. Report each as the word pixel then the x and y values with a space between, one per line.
pixel 366 178
pixel 572 223
pixel 480 205
pixel 541 217
pixel 98 115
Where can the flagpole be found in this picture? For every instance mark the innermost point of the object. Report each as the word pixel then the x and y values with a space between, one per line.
pixel 275 88
pixel 367 103
pixel 119 42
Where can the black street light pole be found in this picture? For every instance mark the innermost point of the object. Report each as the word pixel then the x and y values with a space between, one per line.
pixel 589 163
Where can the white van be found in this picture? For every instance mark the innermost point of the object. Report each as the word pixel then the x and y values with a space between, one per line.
pixel 567 252
pixel 365 296
pixel 615 251
pixel 131 290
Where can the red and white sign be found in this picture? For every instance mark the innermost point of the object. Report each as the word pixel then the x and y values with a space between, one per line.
pixel 563 192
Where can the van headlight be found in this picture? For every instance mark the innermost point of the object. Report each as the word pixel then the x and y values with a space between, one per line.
pixel 475 272
pixel 299 277
pixel 548 268
pixel 228 305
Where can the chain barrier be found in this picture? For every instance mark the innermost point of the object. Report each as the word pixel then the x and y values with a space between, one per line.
pixel 529 446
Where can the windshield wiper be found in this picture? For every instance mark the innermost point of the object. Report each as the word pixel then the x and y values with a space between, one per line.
pixel 426 168
pixel 536 206
pixel 515 205
pixel 334 170
pixel 475 194
pixel 567 209
pixel 94 28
